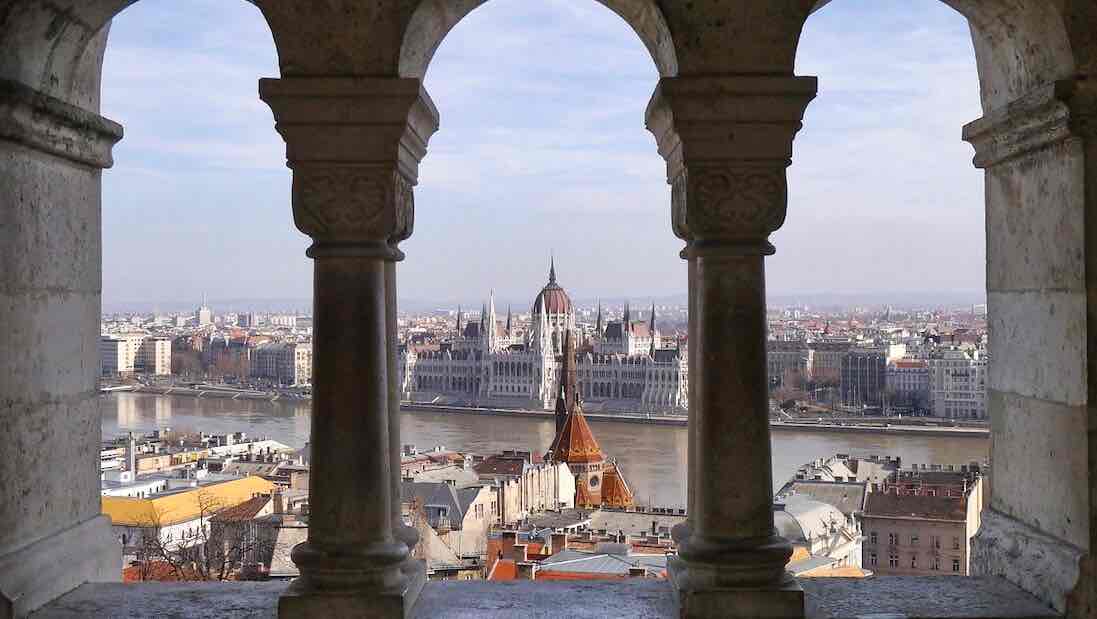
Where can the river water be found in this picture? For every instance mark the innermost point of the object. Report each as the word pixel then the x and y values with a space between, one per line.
pixel 652 457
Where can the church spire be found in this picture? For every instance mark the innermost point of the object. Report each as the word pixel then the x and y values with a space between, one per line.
pixel 598 322
pixel 508 321
pixel 561 408
pixel 651 326
pixel 491 332
pixel 459 317
pixel 627 319
pixel 552 269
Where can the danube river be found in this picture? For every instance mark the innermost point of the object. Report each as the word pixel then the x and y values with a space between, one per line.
pixel 653 457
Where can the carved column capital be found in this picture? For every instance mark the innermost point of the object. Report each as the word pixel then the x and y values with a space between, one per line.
pixel 354 145
pixel 1046 116
pixel 52 126
pixel 727 142
pixel 353 208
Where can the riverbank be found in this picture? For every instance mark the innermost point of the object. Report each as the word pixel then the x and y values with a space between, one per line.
pixel 225 392
pixel 883 426
pixel 844 425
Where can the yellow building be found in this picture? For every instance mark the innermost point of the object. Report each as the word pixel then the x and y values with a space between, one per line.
pixel 183 507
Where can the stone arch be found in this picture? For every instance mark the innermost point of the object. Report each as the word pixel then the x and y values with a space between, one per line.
pixel 432 20
pixel 57 48
pixel 1019 44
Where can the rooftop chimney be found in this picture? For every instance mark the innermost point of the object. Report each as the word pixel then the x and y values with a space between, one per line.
pixel 526 570
pixel 559 542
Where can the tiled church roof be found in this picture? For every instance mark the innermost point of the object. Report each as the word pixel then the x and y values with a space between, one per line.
pixel 615 490
pixel 576 443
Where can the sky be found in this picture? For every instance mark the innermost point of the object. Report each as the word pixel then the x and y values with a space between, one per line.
pixel 542 151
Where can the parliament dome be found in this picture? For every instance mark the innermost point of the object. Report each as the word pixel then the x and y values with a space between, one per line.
pixel 552 298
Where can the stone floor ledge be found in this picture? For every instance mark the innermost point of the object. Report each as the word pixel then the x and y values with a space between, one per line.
pixel 893 597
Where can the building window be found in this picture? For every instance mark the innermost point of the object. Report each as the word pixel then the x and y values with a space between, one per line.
pixel 913 540
pixel 872 559
pixel 872 537
pixel 936 564
pixel 913 562
pixel 893 539
pixel 956 543
pixel 956 565
pixel 935 541
pixel 893 561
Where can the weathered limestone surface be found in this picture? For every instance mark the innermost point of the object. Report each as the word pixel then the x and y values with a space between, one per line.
pixel 830 598
pixel 1039 525
pixel 50 159
pixel 1041 449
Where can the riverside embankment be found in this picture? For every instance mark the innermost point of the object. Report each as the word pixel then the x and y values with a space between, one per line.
pixel 866 425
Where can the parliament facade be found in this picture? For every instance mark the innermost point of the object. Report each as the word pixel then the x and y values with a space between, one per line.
pixel 622 367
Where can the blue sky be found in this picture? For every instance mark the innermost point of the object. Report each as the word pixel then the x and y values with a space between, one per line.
pixel 542 149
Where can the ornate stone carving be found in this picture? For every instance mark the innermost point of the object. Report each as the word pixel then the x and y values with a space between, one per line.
pixel 679 193
pixel 405 210
pixel 348 203
pixel 734 201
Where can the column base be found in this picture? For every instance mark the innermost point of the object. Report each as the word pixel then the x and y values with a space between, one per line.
pixel 783 600
pixel 51 567
pixel 300 602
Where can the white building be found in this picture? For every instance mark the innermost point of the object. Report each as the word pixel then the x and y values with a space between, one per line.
pixel 490 363
pixel 154 356
pixel 204 316
pixel 958 383
pixel 134 352
pixel 908 383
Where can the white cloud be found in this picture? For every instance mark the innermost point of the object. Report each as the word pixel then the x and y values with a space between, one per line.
pixel 543 147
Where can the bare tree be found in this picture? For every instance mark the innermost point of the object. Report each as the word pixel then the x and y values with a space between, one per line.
pixel 186 363
pixel 417 516
pixel 209 549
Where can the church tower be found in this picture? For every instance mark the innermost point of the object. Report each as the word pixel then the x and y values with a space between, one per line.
pixel 598 481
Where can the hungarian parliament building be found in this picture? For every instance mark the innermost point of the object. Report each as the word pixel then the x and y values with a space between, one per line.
pixel 622 366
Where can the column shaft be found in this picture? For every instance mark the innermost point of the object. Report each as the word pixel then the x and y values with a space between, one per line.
pixel 350 503
pixel 731 415
pixel 408 535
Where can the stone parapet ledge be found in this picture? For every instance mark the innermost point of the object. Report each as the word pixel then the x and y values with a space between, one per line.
pixel 50 125
pixel 1037 562
pixel 896 597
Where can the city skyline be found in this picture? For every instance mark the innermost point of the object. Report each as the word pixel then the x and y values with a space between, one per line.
pixel 542 149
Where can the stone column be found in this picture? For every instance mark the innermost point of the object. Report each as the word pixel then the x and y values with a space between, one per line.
pixel 728 142
pixel 1038 528
pixel 354 145
pixel 54 536
pixel 404 533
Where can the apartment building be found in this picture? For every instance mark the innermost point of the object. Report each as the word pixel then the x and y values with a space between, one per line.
pixel 134 353
pixel 958 383
pixel 908 384
pixel 920 523
pixel 287 363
